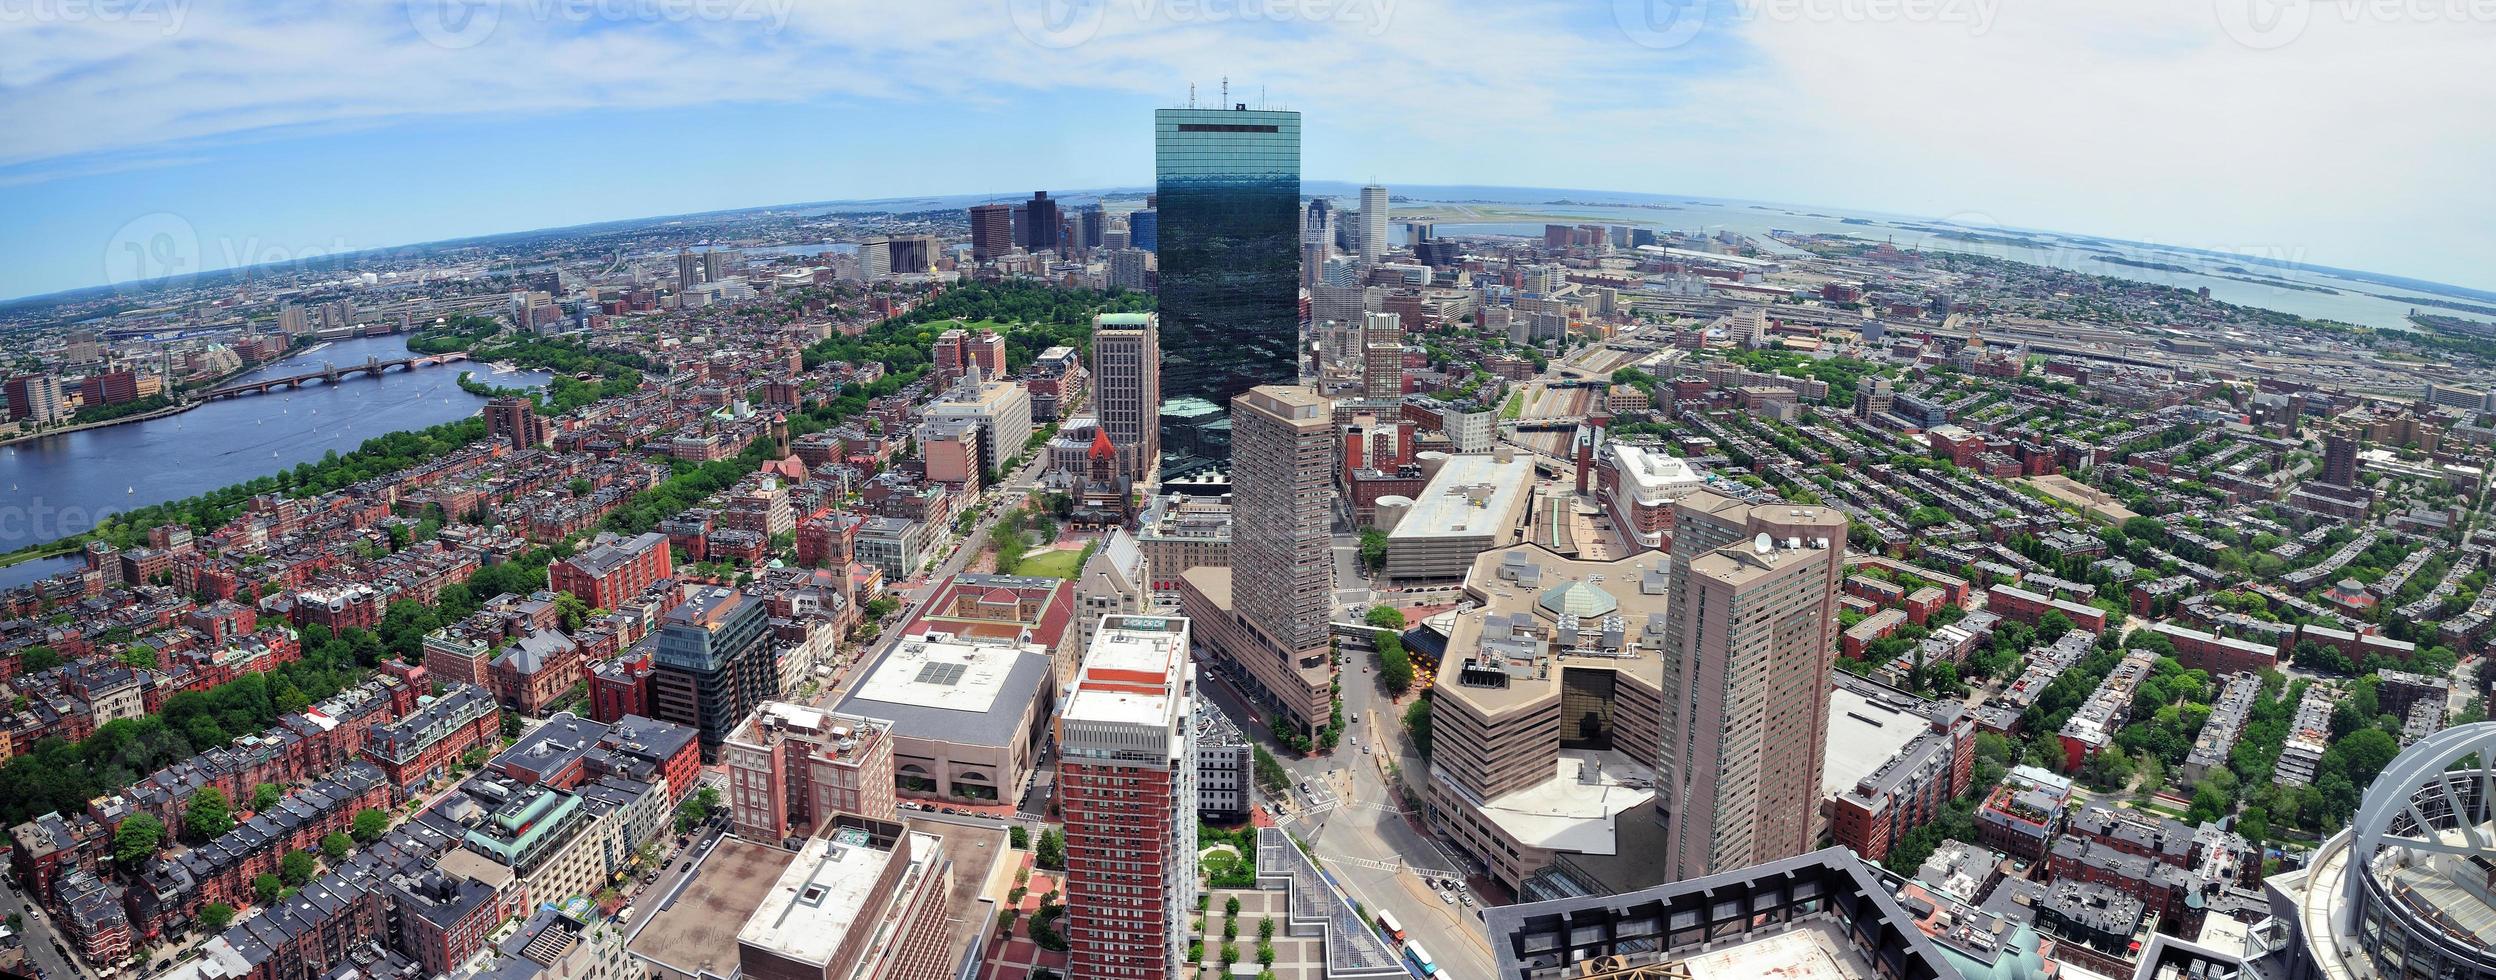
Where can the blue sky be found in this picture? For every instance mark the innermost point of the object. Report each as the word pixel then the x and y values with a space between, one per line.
pixel 277 129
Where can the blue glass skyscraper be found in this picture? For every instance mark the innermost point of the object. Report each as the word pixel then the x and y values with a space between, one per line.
pixel 1228 201
pixel 1144 229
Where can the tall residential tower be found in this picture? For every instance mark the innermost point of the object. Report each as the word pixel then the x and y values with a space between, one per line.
pixel 1127 783
pixel 1750 638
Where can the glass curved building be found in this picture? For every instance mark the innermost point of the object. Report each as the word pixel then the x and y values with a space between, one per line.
pixel 1227 230
pixel 2409 890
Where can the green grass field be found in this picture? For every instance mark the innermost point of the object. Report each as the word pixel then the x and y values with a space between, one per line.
pixel 1058 563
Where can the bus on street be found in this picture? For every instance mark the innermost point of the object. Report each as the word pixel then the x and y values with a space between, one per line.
pixel 1419 958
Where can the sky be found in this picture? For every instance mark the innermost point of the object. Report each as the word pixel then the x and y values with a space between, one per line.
pixel 147 137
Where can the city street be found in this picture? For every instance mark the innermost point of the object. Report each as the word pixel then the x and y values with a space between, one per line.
pixel 1377 852
pixel 38 935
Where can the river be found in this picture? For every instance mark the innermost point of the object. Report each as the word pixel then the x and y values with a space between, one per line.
pixel 62 485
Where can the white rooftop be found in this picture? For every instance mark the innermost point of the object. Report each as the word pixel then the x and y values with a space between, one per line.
pixel 1863 734
pixel 823 894
pixel 1570 813
pixel 934 671
pixel 1472 495
pixel 1654 477
pixel 1135 673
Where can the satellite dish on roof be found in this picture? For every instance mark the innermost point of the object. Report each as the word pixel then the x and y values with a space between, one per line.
pixel 1763 543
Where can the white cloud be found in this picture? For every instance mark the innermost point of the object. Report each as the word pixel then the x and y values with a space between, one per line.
pixel 2354 139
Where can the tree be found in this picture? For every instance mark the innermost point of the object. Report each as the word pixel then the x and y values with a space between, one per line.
pixel 1417 725
pixel 216 916
pixel 1018 838
pixel 298 867
pixel 335 846
pixel 209 815
pixel 267 887
pixel 36 659
pixel 369 825
pixel 1395 667
pixel 137 839
pixel 265 795
pixel 1051 851
pixel 2362 755
pixel 1385 617
pixel 2108 770
pixel 2052 626
pixel 1373 550
pixel 140 657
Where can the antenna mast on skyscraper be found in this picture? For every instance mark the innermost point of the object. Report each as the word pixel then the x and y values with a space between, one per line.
pixel 1191 95
pixel 1226 91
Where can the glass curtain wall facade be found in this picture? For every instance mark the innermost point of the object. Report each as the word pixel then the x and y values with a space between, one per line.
pixel 1227 199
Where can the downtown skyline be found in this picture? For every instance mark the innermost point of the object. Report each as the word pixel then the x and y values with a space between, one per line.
pixel 378 129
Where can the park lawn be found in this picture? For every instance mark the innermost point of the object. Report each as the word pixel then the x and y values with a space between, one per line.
pixel 1056 563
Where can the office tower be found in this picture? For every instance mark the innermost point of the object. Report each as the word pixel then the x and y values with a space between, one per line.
pixel 1874 396
pixel 515 420
pixel 1281 481
pixel 715 263
pixel 688 270
pixel 2340 459
pixel 713 664
pixel 291 321
pixel 1317 241
pixel 875 258
pixel 1317 226
pixel 1128 269
pixel 1347 305
pixel 1126 387
pixel 1143 229
pixel 1750 637
pixel 1341 270
pixel 37 398
pixel 913 254
pixel 992 231
pixel 1127 784
pixel 1382 356
pixel 1020 217
pixel 792 766
pixel 1045 221
pixel 1094 222
pixel 1228 181
pixel 1373 223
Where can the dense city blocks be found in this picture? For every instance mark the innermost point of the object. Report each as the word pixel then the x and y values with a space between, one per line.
pixel 980 502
